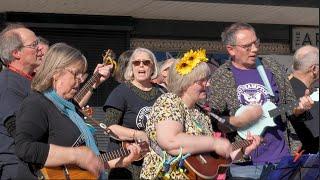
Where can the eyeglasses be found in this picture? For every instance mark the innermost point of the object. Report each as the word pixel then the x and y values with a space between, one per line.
pixel 248 47
pixel 202 82
pixel 80 77
pixel 144 62
pixel 33 45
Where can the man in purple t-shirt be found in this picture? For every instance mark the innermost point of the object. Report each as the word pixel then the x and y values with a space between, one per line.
pixel 238 82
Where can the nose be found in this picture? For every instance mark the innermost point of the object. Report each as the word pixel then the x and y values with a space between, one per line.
pixel 208 83
pixel 254 48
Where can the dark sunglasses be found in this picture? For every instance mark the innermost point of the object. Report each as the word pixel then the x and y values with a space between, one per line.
pixel 144 62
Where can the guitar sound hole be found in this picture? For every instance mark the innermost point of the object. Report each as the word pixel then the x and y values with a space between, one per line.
pixel 202 159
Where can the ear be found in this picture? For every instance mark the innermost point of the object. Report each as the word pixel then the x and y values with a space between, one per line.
pixel 16 54
pixel 230 50
pixel 55 77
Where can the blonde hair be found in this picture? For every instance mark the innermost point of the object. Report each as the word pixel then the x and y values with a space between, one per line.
pixel 59 56
pixel 178 83
pixel 128 75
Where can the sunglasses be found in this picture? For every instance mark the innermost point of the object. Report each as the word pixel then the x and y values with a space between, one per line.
pixel 144 62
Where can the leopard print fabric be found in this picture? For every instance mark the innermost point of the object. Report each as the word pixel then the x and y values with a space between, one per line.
pixel 170 107
pixel 222 94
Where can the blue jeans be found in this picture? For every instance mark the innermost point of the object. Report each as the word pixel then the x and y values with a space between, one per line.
pixel 250 171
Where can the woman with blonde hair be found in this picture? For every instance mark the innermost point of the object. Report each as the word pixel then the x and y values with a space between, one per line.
pixel 127 107
pixel 48 123
pixel 175 127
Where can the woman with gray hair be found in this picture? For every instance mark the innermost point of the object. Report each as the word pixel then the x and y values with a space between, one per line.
pixel 175 127
pixel 162 78
pixel 127 107
pixel 48 123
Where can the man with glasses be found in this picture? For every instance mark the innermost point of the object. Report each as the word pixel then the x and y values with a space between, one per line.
pixel 305 74
pixel 238 82
pixel 20 53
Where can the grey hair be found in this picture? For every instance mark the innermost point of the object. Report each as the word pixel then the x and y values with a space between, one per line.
pixel 10 40
pixel 165 63
pixel 228 36
pixel 128 75
pixel 178 83
pixel 59 56
pixel 305 57
pixel 42 40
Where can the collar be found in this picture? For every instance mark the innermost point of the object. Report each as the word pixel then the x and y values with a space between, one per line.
pixel 28 76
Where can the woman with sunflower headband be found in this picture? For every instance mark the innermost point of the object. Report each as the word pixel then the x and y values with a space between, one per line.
pixel 176 128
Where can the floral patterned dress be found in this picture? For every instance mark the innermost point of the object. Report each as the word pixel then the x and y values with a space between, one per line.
pixel 170 107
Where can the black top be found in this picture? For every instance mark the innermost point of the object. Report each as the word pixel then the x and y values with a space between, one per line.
pixel 13 89
pixel 38 124
pixel 307 129
pixel 134 104
pixel 129 106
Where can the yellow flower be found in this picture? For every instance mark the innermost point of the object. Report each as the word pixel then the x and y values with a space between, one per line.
pixel 201 54
pixel 190 56
pixel 190 60
pixel 183 67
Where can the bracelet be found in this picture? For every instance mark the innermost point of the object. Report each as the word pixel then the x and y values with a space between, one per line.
pixel 134 134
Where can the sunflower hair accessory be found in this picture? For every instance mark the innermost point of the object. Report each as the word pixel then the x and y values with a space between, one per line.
pixel 190 60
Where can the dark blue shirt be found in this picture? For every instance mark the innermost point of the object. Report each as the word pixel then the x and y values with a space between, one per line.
pixel 13 89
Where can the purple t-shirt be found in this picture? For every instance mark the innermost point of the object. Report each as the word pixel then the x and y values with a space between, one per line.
pixel 251 89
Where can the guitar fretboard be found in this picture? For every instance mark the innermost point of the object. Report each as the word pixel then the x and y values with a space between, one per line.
pixel 284 108
pixel 87 87
pixel 240 144
pixel 114 154
pixel 105 157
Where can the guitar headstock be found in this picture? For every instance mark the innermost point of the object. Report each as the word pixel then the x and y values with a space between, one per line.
pixel 109 58
pixel 315 95
pixel 87 111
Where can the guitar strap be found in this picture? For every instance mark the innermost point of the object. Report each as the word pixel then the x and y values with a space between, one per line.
pixel 264 77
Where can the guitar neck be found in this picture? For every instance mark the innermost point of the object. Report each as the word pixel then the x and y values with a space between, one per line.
pixel 122 152
pixel 240 144
pixel 87 87
pixel 283 108
pixel 289 107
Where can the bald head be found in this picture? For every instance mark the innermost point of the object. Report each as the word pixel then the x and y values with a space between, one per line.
pixel 305 57
pixel 10 40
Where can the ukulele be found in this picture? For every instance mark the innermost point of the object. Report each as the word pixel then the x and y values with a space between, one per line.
pixel 74 172
pixel 107 60
pixel 209 165
pixel 88 112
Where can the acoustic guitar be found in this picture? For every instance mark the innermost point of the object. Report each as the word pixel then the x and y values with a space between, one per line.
pixel 209 165
pixel 270 110
pixel 74 172
pixel 108 58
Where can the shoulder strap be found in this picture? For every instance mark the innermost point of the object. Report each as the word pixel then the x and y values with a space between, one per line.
pixel 264 77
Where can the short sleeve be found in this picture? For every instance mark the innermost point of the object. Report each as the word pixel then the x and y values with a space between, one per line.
pixel 116 99
pixel 168 107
